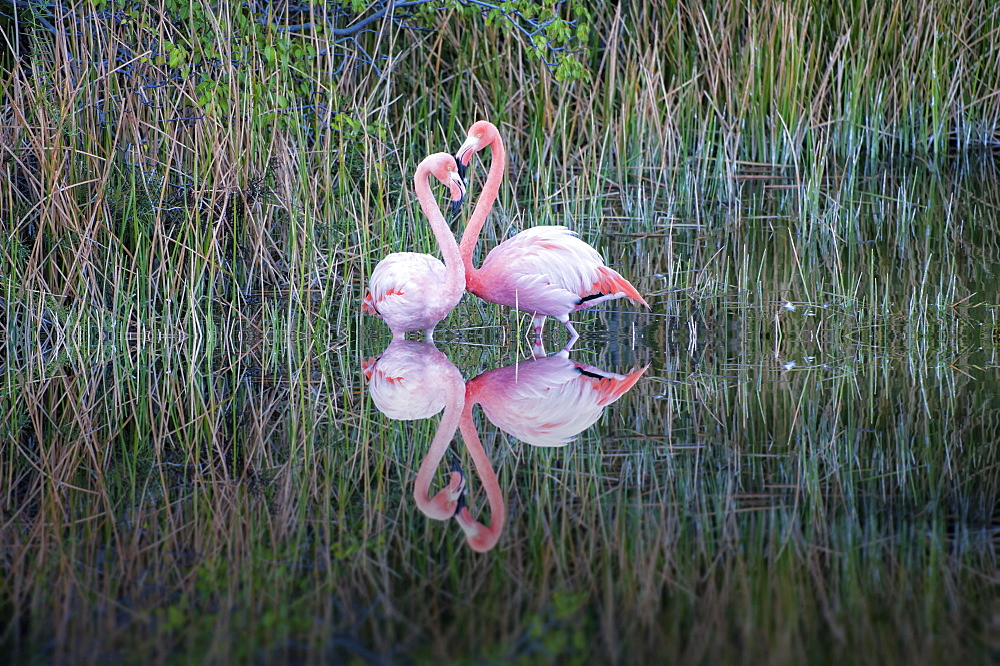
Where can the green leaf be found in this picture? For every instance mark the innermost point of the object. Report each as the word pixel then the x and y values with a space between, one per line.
pixel 178 57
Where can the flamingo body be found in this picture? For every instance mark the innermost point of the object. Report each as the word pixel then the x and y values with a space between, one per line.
pixel 414 380
pixel 412 291
pixel 547 401
pixel 548 271
pixel 405 290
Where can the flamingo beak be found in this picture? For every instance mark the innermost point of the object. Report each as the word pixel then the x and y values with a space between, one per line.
pixel 457 194
pixel 460 504
pixel 464 154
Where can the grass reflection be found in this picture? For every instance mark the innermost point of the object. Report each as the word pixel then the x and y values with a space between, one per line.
pixel 720 510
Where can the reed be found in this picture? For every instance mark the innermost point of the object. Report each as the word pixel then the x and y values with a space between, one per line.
pixel 190 468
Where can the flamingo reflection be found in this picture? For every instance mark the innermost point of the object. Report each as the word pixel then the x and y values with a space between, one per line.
pixel 544 401
pixel 480 537
pixel 414 380
pixel 547 400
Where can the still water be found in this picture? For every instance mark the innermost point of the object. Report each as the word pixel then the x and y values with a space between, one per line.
pixel 793 457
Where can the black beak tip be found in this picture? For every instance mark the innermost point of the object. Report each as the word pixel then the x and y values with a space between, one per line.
pixel 455 207
pixel 461 168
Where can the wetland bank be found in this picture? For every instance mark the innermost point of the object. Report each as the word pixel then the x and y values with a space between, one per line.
pixel 804 467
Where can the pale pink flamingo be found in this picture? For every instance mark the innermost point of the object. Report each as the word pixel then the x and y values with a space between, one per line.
pixel 546 271
pixel 414 380
pixel 413 291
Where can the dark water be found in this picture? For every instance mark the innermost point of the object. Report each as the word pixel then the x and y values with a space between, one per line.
pixel 793 457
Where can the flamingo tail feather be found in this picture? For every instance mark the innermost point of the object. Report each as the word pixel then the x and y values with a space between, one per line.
pixel 611 388
pixel 610 282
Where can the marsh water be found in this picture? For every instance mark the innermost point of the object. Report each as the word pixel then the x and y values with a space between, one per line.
pixel 793 456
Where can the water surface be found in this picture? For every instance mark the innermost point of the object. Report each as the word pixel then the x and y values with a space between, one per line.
pixel 793 457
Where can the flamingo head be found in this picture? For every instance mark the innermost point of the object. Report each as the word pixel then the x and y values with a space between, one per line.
pixel 481 134
pixel 445 168
pixel 479 537
pixel 445 504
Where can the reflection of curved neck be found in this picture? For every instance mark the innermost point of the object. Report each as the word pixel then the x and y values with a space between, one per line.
pixel 470 237
pixel 442 506
pixel 479 537
pixel 454 269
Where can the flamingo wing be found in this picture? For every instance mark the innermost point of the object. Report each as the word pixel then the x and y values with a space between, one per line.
pixel 409 380
pixel 408 287
pixel 549 270
pixel 550 418
pixel 542 402
pixel 549 401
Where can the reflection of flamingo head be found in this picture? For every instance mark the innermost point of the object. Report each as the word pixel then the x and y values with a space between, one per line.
pixel 445 168
pixel 479 537
pixel 447 502
pixel 481 134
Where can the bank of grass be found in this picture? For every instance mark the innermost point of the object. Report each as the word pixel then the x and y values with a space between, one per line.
pixel 197 171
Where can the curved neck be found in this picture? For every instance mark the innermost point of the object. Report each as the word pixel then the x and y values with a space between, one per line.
pixel 498 160
pixel 442 505
pixel 480 537
pixel 445 239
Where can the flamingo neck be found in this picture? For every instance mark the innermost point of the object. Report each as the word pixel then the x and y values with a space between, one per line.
pixel 498 160
pixel 480 537
pixel 454 268
pixel 453 411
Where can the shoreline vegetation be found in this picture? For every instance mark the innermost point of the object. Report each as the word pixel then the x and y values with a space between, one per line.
pixel 193 195
pixel 191 157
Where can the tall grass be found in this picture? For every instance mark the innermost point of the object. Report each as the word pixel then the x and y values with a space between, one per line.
pixel 190 468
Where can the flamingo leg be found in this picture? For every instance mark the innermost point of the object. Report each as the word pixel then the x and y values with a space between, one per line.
pixel 573 335
pixel 538 322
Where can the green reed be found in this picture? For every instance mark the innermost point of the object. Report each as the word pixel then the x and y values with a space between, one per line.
pixel 191 469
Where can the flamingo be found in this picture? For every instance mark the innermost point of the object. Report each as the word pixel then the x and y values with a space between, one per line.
pixel 414 380
pixel 546 271
pixel 413 291
pixel 545 401
pixel 478 536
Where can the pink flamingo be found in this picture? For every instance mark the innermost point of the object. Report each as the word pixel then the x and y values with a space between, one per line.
pixel 413 380
pixel 546 271
pixel 413 291
pixel 478 536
